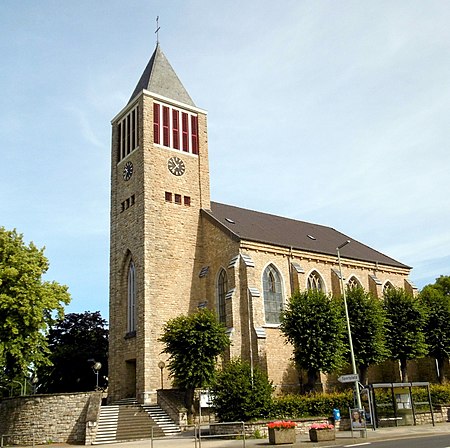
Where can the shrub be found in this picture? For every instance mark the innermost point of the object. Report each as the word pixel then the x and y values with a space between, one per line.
pixel 440 394
pixel 299 406
pixel 236 397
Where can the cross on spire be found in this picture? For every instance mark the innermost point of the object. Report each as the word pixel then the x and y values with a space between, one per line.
pixel 157 30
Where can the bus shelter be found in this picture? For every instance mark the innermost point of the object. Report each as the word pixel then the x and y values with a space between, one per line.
pixel 397 404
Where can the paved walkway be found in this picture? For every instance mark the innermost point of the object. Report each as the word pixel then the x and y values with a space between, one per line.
pixel 343 438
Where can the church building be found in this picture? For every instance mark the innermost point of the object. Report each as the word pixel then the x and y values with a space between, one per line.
pixel 173 250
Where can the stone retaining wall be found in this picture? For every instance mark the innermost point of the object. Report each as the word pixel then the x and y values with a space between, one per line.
pixel 261 427
pixel 41 419
pixel 440 413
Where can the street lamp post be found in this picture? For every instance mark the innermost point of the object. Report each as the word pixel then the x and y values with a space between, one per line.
pixel 96 367
pixel 161 365
pixel 350 341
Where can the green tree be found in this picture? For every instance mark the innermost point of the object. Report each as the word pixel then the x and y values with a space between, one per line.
pixel 193 344
pixel 74 342
pixel 28 306
pixel 368 325
pixel 443 284
pixel 240 396
pixel 314 325
pixel 405 336
pixel 436 300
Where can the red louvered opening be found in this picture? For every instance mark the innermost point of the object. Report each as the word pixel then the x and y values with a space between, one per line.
pixel 156 121
pixel 194 135
pixel 185 130
pixel 175 129
pixel 166 124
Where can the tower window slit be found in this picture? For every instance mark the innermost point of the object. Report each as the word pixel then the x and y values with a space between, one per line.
pixel 128 133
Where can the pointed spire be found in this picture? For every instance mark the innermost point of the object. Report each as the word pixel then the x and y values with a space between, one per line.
pixel 159 77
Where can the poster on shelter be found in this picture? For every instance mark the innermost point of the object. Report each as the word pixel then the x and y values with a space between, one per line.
pixel 358 417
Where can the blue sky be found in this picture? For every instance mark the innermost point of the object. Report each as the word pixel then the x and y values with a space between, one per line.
pixel 334 112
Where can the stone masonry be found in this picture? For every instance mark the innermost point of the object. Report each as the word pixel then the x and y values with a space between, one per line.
pixel 179 249
pixel 164 241
pixel 41 419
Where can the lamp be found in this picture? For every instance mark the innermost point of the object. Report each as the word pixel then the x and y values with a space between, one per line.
pixel 161 365
pixel 96 366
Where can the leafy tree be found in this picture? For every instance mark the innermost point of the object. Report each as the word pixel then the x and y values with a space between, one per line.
pixel 28 306
pixel 313 324
pixel 74 342
pixel 193 342
pixel 406 319
pixel 436 300
pixel 443 284
pixel 239 396
pixel 368 325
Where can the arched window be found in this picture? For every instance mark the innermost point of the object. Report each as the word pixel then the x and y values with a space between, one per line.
pixel 387 286
pixel 131 301
pixel 273 300
pixel 222 288
pixel 315 282
pixel 353 283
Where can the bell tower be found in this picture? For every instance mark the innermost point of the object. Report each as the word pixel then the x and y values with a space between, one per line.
pixel 159 184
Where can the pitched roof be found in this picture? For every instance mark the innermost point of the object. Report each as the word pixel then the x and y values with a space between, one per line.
pixel 159 77
pixel 279 231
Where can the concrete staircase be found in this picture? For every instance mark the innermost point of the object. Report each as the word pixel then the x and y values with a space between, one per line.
pixel 127 420
pixel 163 421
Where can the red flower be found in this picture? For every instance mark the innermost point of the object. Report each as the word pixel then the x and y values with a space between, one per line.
pixel 282 425
pixel 321 426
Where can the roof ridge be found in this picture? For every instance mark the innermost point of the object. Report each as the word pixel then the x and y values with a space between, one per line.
pixel 274 215
pixel 154 56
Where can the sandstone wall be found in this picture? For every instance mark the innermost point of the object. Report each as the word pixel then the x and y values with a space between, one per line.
pixel 43 419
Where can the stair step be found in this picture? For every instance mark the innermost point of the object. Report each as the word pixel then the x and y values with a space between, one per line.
pixel 127 420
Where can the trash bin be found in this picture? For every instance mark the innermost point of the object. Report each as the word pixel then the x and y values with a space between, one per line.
pixel 336 415
pixel 336 418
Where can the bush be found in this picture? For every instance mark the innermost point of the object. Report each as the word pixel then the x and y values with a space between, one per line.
pixel 314 405
pixel 237 398
pixel 440 394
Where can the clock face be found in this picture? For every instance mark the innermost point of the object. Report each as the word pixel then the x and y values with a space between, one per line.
pixel 176 166
pixel 127 171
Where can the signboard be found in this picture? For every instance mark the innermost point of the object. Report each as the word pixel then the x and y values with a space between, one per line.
pixel 358 417
pixel 349 378
pixel 205 399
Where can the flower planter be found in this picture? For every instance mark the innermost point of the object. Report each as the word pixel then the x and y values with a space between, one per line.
pixel 281 436
pixel 320 435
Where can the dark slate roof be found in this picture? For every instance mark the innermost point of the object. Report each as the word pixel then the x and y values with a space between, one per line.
pixel 159 77
pixel 275 230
